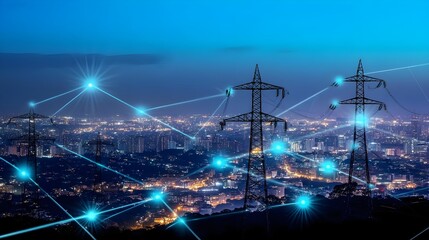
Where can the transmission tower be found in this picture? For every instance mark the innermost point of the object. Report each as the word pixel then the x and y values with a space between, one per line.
pixel 359 168
pixel 256 184
pixel 99 143
pixel 31 138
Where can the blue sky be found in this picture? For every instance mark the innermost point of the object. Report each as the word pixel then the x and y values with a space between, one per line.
pixel 201 47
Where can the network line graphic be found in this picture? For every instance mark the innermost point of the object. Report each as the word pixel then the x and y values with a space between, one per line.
pixel 302 202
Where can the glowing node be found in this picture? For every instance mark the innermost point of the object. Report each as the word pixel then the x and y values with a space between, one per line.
pixel 219 162
pixel 278 147
pixel 361 120
pixel 303 202
pixel 24 173
pixel 141 111
pixel 91 83
pixel 158 196
pixel 339 80
pixel 335 103
pixel 32 104
pixel 92 215
pixel 371 186
pixel 327 167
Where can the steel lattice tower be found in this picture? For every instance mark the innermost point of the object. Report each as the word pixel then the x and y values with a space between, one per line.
pixel 256 184
pixel 31 139
pixel 359 168
pixel 99 143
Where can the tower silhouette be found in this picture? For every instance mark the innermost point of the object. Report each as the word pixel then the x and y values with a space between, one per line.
pixel 359 169
pixel 31 138
pixel 99 143
pixel 256 184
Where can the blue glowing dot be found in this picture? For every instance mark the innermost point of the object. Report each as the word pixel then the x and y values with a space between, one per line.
pixel 339 80
pixel 327 167
pixel 371 186
pixel 335 103
pixel 181 220
pixel 219 162
pixel 361 120
pixel 92 215
pixel 32 104
pixel 229 91
pixel 157 196
pixel 303 202
pixel 23 173
pixel 90 85
pixel 278 147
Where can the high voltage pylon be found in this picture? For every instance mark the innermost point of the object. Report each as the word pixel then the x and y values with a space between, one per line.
pixel 359 167
pixel 256 184
pixel 31 138
pixel 99 143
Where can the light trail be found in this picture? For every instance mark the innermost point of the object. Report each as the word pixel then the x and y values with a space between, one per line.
pixel 65 105
pixel 211 117
pixel 181 220
pixel 321 132
pixel 399 68
pixel 396 135
pixel 196 171
pixel 99 164
pixel 413 191
pixel 303 101
pixel 69 220
pixel 123 211
pixel 420 233
pixel 282 205
pixel 51 198
pixel 140 111
pixel 184 102
pixel 56 96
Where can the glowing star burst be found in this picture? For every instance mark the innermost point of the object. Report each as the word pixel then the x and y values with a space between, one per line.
pixel 219 162
pixel 157 196
pixel 229 92
pixel 23 173
pixel 32 104
pixel 361 120
pixel 327 167
pixel 91 215
pixel 339 80
pixel 278 147
pixel 303 202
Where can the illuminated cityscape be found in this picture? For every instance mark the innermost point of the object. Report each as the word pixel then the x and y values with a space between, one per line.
pixel 128 120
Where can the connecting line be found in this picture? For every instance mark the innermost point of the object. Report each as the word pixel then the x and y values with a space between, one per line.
pixel 196 171
pixel 419 234
pixel 321 132
pixel 118 213
pixel 303 101
pixel 65 105
pixel 396 135
pixel 336 169
pixel 399 68
pixel 184 102
pixel 57 96
pixel 281 205
pixel 50 197
pixel 100 165
pixel 211 117
pixel 413 191
pixel 70 220
pixel 181 220
pixel 211 216
pixel 144 113
pixel 62 208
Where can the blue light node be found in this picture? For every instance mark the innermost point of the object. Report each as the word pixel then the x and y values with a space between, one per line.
pixel 361 120
pixel 327 167
pixel 157 196
pixel 303 202
pixel 278 147
pixel 24 173
pixel 31 104
pixel 229 91
pixel 91 215
pixel 219 162
pixel 339 80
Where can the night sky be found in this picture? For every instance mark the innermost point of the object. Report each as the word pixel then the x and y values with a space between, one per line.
pixel 151 53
